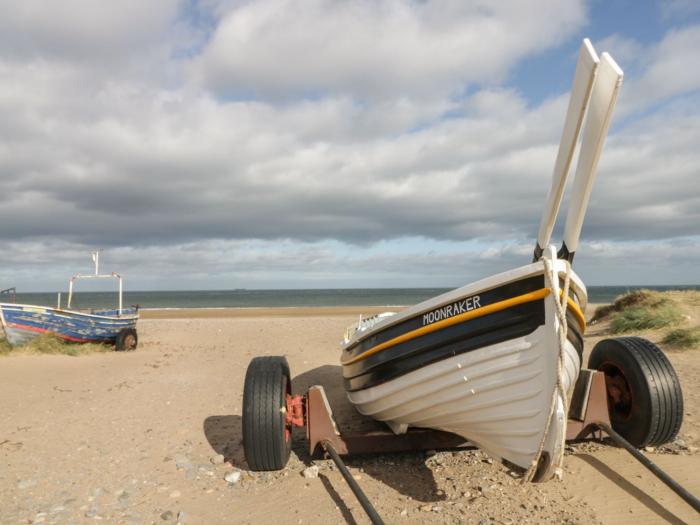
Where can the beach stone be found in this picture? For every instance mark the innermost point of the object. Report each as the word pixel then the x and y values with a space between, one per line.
pixel 218 459
pixel 25 483
pixel 181 517
pixel 233 477
pixel 311 472
pixel 123 499
pixel 206 469
pixel 182 463
pixel 167 515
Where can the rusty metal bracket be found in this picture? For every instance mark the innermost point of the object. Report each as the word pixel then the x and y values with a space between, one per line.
pixel 589 405
pixel 294 414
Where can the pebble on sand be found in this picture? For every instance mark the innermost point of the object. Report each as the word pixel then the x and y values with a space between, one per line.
pixel 218 459
pixel 311 472
pixel 25 483
pixel 233 477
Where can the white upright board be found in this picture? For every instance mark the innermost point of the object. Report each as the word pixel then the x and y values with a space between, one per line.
pixel 603 97
pixel 578 101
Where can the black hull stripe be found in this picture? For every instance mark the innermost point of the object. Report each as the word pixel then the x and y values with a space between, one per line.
pixel 501 293
pixel 517 321
pixel 491 329
pixel 574 333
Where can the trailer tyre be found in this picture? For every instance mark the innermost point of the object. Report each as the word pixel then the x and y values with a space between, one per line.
pixel 645 401
pixel 127 340
pixel 267 439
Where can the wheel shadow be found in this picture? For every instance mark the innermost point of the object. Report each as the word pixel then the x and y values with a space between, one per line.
pixel 634 491
pixel 405 472
pixel 225 436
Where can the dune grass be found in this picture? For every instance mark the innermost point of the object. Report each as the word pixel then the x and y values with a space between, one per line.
pixel 621 302
pixel 654 317
pixel 50 344
pixel 640 310
pixel 685 338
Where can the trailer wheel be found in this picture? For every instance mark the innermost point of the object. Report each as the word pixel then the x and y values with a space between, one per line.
pixel 645 401
pixel 127 339
pixel 267 439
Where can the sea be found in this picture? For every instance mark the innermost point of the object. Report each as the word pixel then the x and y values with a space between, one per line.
pixel 286 298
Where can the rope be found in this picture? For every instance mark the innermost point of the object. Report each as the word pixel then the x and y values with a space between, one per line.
pixel 559 390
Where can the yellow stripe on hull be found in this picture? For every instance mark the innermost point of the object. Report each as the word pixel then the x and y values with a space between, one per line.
pixel 485 310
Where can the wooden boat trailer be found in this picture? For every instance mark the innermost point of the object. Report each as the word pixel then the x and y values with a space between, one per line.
pixel 588 414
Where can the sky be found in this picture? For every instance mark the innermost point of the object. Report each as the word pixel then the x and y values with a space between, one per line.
pixel 216 144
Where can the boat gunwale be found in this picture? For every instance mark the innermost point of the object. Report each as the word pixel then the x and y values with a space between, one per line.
pixel 486 284
pixel 499 306
pixel 71 312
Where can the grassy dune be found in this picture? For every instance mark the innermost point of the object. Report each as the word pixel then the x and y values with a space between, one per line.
pixel 675 315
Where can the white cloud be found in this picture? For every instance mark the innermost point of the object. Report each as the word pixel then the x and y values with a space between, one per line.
pixel 287 48
pixel 102 34
pixel 669 69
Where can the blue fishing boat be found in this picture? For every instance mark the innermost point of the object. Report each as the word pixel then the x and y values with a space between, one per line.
pixel 22 323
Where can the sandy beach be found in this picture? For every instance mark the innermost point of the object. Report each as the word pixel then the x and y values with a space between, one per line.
pixel 135 438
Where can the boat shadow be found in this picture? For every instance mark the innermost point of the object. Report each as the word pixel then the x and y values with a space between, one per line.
pixel 405 472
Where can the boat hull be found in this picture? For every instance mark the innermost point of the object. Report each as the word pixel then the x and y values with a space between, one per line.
pixel 487 373
pixel 22 323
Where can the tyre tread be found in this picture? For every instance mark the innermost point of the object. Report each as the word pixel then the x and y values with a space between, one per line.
pixel 263 424
pixel 665 414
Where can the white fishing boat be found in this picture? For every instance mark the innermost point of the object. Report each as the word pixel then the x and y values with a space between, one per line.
pixel 495 361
